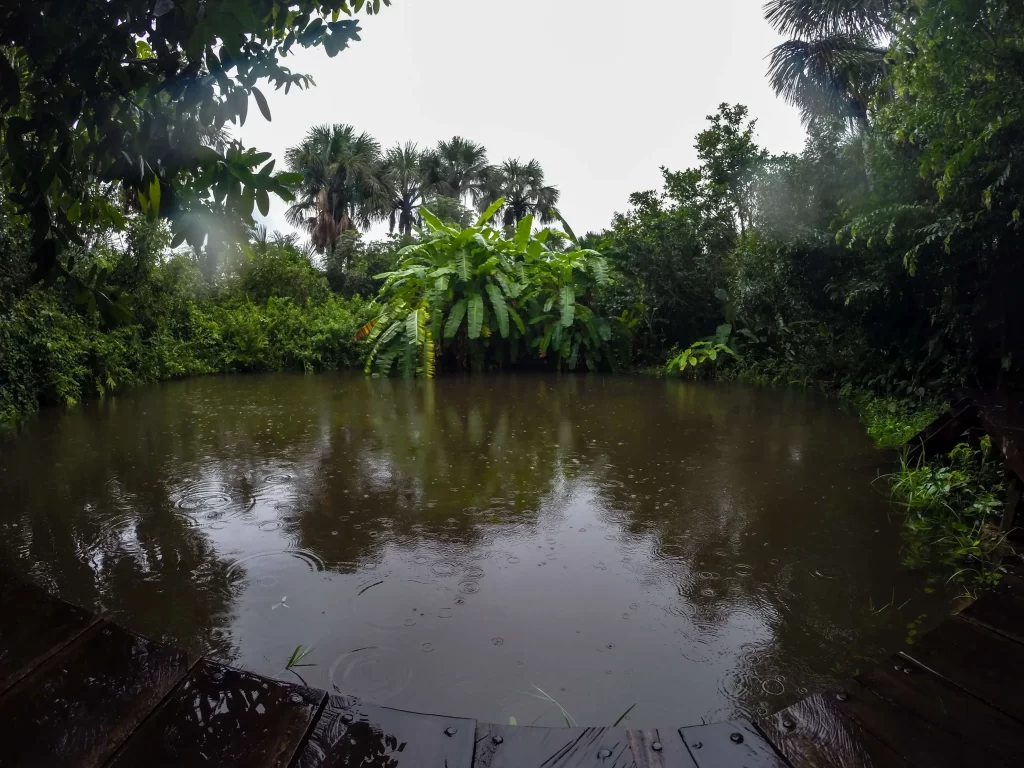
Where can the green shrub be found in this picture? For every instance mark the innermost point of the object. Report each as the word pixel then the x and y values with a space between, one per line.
pixel 55 353
pixel 953 505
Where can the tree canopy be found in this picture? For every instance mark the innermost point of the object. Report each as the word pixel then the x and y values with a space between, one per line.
pixel 122 105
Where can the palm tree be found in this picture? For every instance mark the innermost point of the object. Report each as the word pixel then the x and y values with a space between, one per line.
pixel 458 168
pixel 343 187
pixel 836 61
pixel 407 184
pixel 522 185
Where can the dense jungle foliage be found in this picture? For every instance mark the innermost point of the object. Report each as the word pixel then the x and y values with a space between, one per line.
pixel 267 308
pixel 884 261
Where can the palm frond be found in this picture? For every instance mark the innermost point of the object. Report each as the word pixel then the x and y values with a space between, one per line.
pixel 834 76
pixel 810 19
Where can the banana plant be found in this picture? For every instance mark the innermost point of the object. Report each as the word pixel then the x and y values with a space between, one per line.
pixel 474 298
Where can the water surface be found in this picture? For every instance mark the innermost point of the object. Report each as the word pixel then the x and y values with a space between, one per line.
pixel 457 546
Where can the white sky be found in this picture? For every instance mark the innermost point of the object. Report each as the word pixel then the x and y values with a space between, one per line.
pixel 602 93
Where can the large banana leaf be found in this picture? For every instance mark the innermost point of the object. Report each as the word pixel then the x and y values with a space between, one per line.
pixel 517 320
pixel 432 221
pixel 455 319
pixel 487 215
pixel 523 230
pixel 567 302
pixel 500 309
pixel 475 311
pixel 462 266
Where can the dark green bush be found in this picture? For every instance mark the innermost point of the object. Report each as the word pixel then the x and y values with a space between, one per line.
pixel 273 311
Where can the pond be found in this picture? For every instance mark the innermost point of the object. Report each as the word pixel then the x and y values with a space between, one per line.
pixel 463 545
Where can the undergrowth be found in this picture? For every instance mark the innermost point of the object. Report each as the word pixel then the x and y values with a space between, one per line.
pixel 891 421
pixel 954 504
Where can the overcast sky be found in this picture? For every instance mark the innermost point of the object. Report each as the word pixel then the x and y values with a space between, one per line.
pixel 601 92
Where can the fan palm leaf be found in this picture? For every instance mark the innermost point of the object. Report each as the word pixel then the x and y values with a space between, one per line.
pixel 458 168
pixel 808 19
pixel 832 76
pixel 523 188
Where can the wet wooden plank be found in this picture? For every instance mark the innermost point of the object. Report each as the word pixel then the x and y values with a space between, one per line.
pixel 915 739
pixel 1002 610
pixel 813 733
pixel 79 706
pixel 35 626
pixel 732 744
pixel 224 717
pixel 997 738
pixel 976 659
pixel 658 748
pixel 350 733
pixel 511 746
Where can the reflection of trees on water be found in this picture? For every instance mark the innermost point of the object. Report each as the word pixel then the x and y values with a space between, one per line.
pixel 765 491
pixel 761 504
pixel 91 513
pixel 442 459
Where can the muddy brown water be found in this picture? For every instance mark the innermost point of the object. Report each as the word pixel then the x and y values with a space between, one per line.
pixel 471 546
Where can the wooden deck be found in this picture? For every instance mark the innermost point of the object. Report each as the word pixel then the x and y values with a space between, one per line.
pixel 77 690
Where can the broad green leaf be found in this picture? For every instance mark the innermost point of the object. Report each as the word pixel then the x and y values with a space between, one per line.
pixel 487 215
pixel 500 309
pixel 433 223
pixel 475 312
pixel 462 264
pixel 517 320
pixel 455 319
pixel 488 266
pixel 599 269
pixel 261 102
pixel 263 202
pixel 567 302
pixel 565 226
pixel 412 328
pixel 523 230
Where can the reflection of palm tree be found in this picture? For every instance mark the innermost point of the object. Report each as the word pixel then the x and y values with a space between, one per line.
pixel 342 187
pixel 523 187
pixel 836 60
